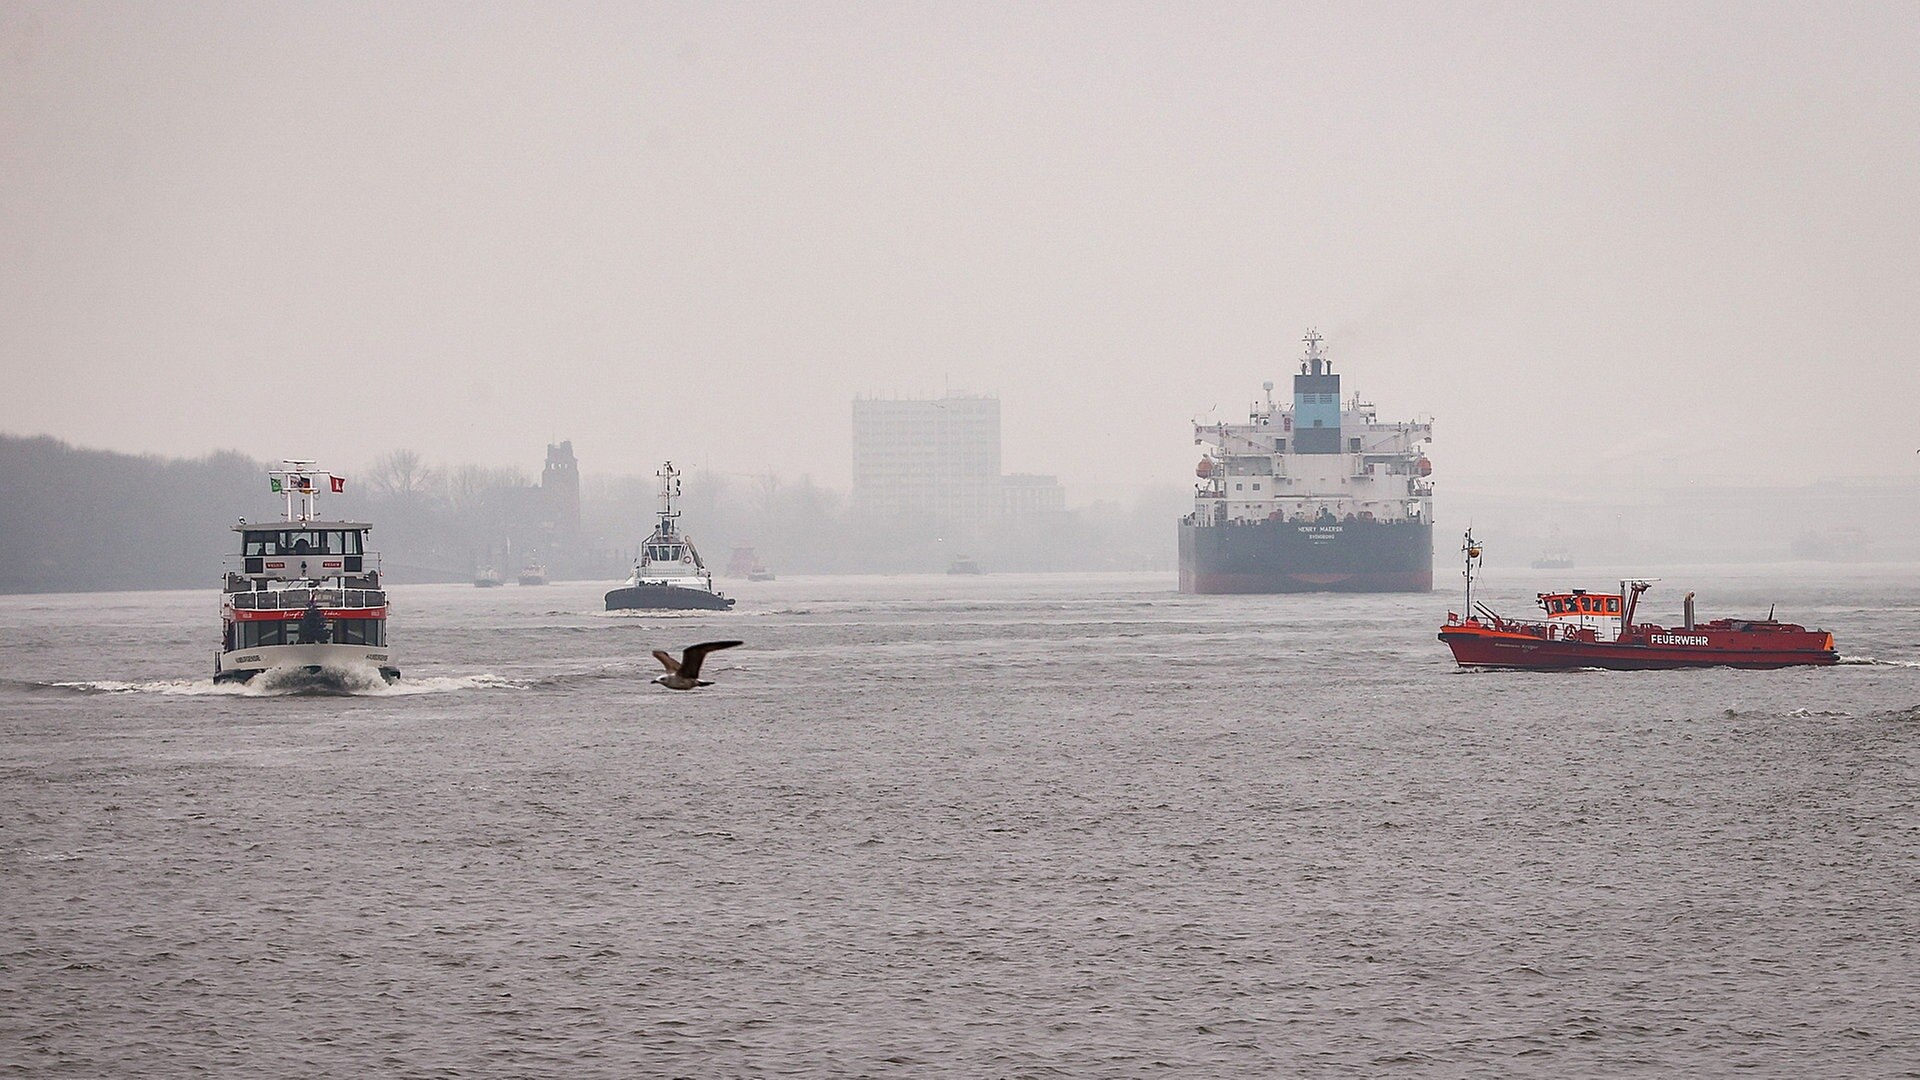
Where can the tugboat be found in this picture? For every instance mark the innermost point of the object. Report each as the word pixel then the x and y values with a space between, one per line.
pixel 1596 630
pixel 670 575
pixel 303 594
pixel 487 578
pixel 533 573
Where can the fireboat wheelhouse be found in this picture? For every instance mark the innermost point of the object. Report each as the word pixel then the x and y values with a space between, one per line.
pixel 669 575
pixel 303 594
pixel 1596 630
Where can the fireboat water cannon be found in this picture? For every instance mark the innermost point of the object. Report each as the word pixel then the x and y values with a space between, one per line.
pixel 1583 629
pixel 1631 588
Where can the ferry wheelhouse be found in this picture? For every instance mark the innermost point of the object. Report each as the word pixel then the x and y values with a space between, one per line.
pixel 303 593
pixel 669 575
pixel 1597 630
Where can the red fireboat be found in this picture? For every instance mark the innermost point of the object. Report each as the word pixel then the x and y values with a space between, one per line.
pixel 1596 630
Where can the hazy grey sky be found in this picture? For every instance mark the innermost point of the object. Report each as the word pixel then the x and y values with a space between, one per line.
pixel 1663 236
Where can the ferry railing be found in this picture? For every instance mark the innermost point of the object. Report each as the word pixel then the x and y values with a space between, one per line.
pixel 297 599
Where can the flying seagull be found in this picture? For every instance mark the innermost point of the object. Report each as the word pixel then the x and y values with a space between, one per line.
pixel 684 673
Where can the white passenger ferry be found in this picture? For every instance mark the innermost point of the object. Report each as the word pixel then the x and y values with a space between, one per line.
pixel 303 594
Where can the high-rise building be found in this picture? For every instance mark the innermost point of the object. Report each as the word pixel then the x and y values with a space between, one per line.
pixel 936 460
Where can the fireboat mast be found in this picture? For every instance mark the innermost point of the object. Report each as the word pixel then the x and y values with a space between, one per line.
pixel 1471 549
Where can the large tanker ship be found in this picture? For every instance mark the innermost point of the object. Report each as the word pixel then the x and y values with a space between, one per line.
pixel 1316 496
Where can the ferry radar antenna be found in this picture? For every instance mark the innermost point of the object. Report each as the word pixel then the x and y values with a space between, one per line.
pixel 295 480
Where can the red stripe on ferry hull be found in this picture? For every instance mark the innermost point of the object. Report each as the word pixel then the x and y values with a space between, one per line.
pixel 1419 581
pixel 1483 647
pixel 293 614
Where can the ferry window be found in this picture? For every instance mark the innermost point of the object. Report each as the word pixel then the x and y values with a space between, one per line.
pixel 257 544
pixel 1613 605
pixel 1239 487
pixel 1353 446
pixel 1279 446
pixel 350 543
pixel 1256 485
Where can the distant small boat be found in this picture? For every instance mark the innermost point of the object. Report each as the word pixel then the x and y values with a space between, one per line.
pixel 744 563
pixel 961 564
pixel 1555 556
pixel 533 574
pixel 487 578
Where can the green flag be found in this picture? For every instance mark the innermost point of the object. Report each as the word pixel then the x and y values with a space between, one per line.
pixel 275 481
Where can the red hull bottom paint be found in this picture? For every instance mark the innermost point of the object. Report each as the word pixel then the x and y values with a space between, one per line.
pixel 1476 644
pixel 1395 581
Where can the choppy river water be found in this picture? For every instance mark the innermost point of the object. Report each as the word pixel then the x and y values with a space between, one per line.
pixel 999 826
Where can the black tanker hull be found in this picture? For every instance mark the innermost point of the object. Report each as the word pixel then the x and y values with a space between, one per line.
pixel 1292 556
pixel 665 598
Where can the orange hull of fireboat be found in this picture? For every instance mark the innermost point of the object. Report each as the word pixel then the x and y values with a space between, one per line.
pixel 1762 644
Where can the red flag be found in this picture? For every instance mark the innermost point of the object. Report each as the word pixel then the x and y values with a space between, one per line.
pixel 339 483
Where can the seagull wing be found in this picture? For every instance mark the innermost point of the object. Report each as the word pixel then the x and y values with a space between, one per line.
pixel 695 655
pixel 666 660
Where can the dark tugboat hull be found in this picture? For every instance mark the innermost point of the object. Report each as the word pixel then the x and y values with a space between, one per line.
pixel 1290 557
pixel 665 598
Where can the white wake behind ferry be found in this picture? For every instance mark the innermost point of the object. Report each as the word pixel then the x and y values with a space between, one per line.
pixel 303 595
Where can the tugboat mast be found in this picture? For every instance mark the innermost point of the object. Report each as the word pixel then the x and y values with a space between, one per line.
pixel 669 490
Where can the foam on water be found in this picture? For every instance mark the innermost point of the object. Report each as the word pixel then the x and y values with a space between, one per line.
pixel 290 682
